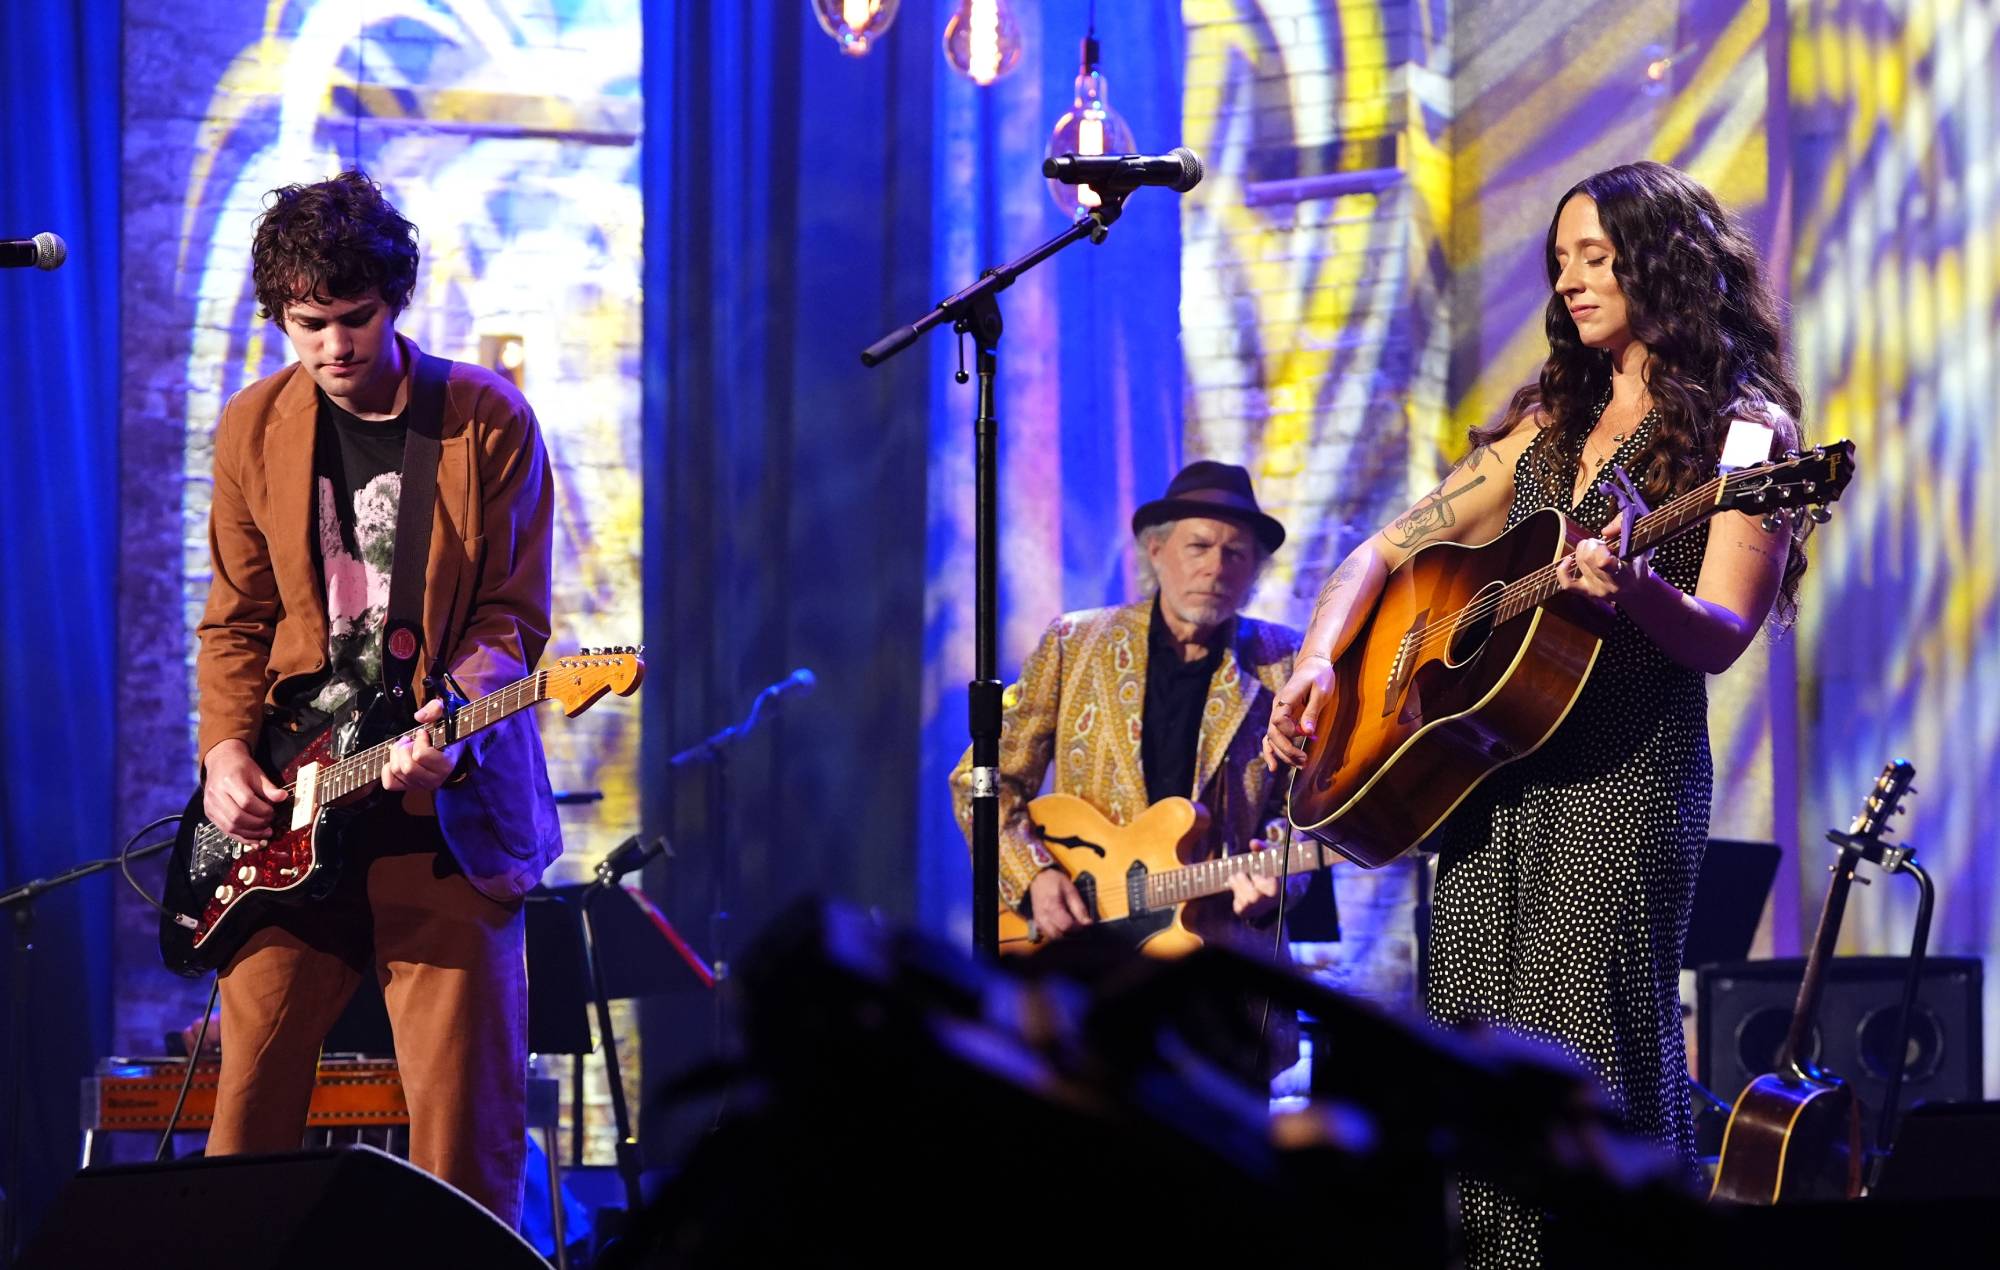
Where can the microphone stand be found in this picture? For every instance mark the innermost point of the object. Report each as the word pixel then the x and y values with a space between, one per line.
pixel 714 751
pixel 626 857
pixel 976 311
pixel 19 904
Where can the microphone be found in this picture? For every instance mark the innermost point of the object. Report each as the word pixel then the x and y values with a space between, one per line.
pixel 1180 171
pixel 800 680
pixel 43 251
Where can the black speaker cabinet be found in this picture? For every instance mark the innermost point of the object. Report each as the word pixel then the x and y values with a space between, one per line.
pixel 1744 1008
pixel 312 1210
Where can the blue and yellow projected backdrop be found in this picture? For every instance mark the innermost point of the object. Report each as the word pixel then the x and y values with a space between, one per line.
pixel 1357 282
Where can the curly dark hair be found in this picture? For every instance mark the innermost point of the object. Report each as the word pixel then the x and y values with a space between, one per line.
pixel 335 239
pixel 1698 302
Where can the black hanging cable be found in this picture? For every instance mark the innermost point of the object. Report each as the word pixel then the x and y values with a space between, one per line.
pixel 187 1076
pixel 1277 939
pixel 125 857
pixel 360 77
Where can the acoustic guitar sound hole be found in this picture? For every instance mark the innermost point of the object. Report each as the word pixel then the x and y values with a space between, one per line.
pixel 1475 625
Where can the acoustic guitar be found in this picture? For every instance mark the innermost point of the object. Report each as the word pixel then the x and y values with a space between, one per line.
pixel 1795 1133
pixel 219 887
pixel 1137 879
pixel 1473 656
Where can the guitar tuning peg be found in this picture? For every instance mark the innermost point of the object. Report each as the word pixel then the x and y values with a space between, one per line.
pixel 1770 522
pixel 1820 513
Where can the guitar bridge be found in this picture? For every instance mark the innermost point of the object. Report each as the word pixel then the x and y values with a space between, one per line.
pixel 1403 666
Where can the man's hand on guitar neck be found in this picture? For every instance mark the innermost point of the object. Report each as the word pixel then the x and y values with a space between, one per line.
pixel 413 762
pixel 1254 897
pixel 236 796
pixel 1055 904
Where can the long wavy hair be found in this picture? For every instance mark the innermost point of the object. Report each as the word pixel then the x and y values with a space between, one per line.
pixel 1697 300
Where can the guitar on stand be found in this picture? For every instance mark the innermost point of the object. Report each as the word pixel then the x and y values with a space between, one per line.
pixel 1795 1133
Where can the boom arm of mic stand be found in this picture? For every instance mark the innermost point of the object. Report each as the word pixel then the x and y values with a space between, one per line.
pixel 958 307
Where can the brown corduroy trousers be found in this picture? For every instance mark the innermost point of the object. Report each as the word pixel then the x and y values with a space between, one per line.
pixel 452 967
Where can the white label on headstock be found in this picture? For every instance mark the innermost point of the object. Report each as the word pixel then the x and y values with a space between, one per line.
pixel 1747 445
pixel 305 796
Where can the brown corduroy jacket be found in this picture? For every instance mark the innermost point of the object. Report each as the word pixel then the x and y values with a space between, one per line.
pixel 486 595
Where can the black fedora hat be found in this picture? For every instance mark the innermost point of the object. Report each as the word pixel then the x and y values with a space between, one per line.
pixel 1219 491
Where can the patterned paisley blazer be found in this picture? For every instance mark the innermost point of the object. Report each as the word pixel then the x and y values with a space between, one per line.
pixel 1078 703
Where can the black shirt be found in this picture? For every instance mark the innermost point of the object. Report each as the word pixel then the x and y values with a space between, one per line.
pixel 357 484
pixel 1170 726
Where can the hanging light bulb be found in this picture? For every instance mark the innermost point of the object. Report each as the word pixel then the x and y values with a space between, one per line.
pixel 1090 127
pixel 982 41
pixel 855 24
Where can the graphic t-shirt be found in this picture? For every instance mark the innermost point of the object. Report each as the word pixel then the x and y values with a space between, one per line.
pixel 357 481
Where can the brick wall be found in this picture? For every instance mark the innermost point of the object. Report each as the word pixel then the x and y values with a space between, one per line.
pixel 1312 317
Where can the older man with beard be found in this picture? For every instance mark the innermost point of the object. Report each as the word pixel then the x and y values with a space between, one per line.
pixel 1166 696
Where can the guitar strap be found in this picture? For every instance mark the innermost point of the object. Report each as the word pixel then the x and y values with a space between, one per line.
pixel 403 628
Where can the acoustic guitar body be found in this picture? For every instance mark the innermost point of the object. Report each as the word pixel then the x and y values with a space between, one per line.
pixel 1432 695
pixel 1109 864
pixel 1791 1138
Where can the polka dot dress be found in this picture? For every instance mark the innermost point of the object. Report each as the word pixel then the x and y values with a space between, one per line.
pixel 1564 881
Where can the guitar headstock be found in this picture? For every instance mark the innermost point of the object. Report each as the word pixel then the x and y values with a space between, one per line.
pixel 1884 801
pixel 1812 479
pixel 578 681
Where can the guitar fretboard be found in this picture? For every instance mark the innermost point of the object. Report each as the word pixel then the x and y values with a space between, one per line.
pixel 1670 521
pixel 363 768
pixel 1211 877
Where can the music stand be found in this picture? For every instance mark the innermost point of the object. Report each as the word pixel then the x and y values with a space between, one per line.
pixel 590 944
pixel 1729 897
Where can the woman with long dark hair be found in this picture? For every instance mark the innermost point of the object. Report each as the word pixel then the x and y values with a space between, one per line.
pixel 1564 881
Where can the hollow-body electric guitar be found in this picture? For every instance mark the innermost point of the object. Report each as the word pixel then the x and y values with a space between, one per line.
pixel 218 887
pixel 1473 655
pixel 1137 879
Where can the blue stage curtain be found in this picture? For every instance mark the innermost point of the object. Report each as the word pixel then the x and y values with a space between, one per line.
pixel 788 223
pixel 59 71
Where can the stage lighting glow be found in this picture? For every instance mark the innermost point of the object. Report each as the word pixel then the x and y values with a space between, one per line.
pixel 855 24
pixel 1090 127
pixel 982 41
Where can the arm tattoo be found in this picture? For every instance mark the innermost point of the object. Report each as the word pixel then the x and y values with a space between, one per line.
pixel 1339 578
pixel 1471 462
pixel 1431 514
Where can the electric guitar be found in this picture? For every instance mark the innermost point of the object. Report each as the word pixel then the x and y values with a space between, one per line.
pixel 1474 655
pixel 218 887
pixel 1795 1133
pixel 1136 879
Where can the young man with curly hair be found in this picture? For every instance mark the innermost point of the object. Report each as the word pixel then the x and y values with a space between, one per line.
pixel 308 473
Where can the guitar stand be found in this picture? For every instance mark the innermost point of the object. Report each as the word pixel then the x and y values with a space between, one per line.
pixel 1891 859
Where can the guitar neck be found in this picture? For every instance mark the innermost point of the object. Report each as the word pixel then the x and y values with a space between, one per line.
pixel 1211 877
pixel 359 770
pixel 1651 530
pixel 1806 1008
